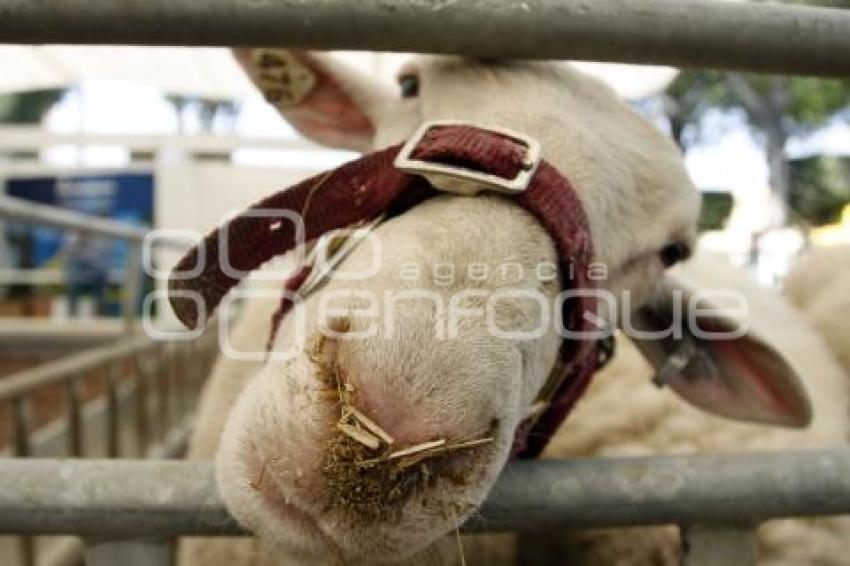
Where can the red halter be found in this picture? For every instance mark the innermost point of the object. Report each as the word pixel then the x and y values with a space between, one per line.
pixel 459 158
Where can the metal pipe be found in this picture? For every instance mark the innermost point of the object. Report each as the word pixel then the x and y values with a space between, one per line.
pixel 112 377
pixel 42 336
pixel 29 138
pixel 23 210
pixel 123 498
pixel 697 33
pixel 163 391
pixel 687 490
pixel 22 426
pixel 28 380
pixel 74 416
pixel 132 288
pixel 140 375
pixel 109 499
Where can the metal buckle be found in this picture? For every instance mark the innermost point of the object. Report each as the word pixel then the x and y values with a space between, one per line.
pixel 466 182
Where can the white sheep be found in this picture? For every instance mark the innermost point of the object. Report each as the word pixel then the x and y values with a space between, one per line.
pixel 272 427
pixel 819 285
pixel 624 414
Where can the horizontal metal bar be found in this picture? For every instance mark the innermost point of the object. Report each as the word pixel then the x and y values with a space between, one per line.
pixel 704 33
pixel 22 209
pixel 695 489
pixel 18 138
pixel 23 382
pixel 38 276
pixel 122 498
pixel 27 335
pixel 111 499
pixel 28 380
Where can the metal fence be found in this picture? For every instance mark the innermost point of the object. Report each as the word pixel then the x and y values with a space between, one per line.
pixel 694 33
pixel 133 397
pixel 18 209
pixel 718 500
pixel 155 383
pixel 155 374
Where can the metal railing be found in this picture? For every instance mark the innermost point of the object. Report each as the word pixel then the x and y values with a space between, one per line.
pixel 32 138
pixel 156 382
pixel 156 374
pixel 693 33
pixel 25 210
pixel 126 358
pixel 19 209
pixel 718 500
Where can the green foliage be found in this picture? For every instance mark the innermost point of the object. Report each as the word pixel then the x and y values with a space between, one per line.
pixel 807 103
pixel 814 101
pixel 820 188
pixel 716 209
pixel 27 107
pixel 776 109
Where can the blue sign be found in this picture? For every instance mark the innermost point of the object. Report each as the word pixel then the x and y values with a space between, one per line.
pixel 94 266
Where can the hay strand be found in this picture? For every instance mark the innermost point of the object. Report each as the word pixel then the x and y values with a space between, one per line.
pixel 359 435
pixel 362 474
pixel 416 449
pixel 371 425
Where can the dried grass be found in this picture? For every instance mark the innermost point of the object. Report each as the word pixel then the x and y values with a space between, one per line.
pixel 368 423
pixel 366 439
pixel 371 494
pixel 365 474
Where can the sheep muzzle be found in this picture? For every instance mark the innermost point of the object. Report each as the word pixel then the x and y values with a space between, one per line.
pixel 371 186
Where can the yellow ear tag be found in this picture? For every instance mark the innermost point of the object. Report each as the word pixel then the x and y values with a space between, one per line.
pixel 283 79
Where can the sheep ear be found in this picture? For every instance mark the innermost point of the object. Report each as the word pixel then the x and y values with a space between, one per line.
pixel 712 359
pixel 321 97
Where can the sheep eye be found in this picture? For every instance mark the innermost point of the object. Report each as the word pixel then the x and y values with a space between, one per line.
pixel 674 253
pixel 409 86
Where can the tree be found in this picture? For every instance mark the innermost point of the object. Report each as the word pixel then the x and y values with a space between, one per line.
pixel 27 107
pixel 776 108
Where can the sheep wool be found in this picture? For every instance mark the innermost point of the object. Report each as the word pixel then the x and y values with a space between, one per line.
pixel 624 414
pixel 279 431
pixel 819 285
pixel 814 272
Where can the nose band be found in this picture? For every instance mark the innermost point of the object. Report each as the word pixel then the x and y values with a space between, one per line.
pixel 454 157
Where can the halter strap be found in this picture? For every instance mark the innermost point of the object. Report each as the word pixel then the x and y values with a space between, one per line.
pixel 365 188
